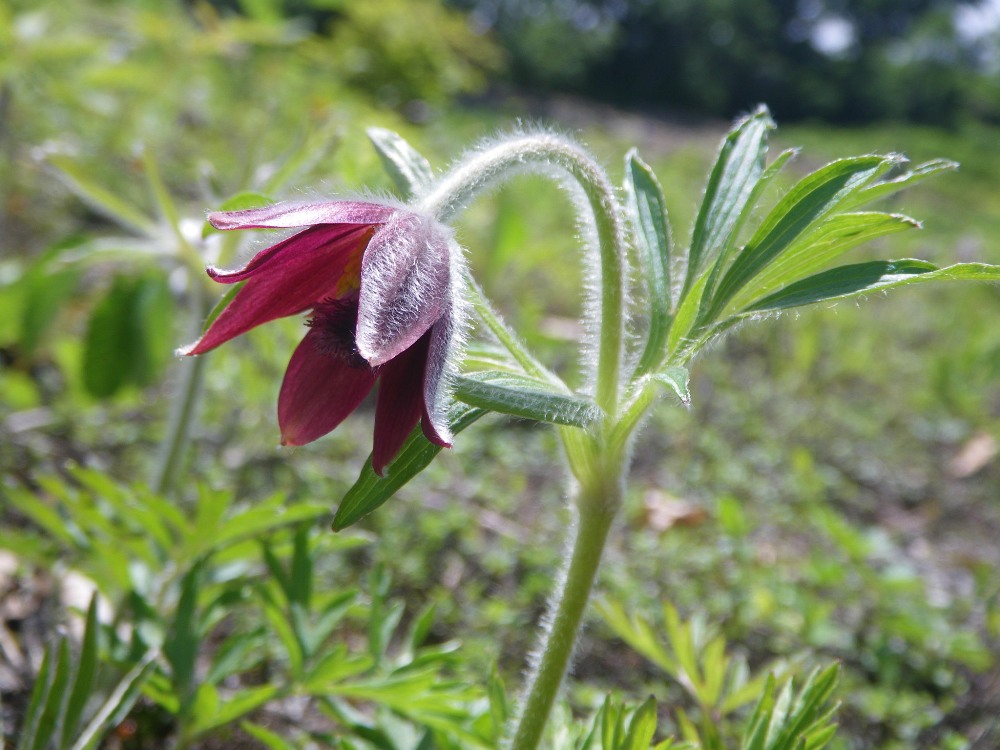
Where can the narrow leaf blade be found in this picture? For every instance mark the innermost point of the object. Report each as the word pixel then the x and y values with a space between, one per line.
pixel 642 727
pixel 523 396
pixel 100 198
pixel 730 186
pixel 109 347
pixel 32 732
pixel 56 698
pixel 864 278
pixel 409 170
pixel 884 188
pixel 370 490
pixel 86 673
pixel 648 213
pixel 810 201
pixel 677 379
pixel 818 248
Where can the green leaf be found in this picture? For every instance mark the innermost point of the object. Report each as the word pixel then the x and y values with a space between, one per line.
pixel 677 379
pixel 611 724
pixel 161 195
pixel 277 570
pixel 722 261
pixel 277 617
pixel 819 738
pixel 715 664
pixel 642 727
pixel 639 635
pixel 118 703
pixel 260 519
pixel 384 616
pixel 265 736
pixel 681 638
pixel 648 213
pixel 409 170
pixel 44 515
pixel 865 278
pixel 245 701
pixel 221 305
pixel 183 642
pixel 45 292
pixel 810 201
pixel 370 490
pixel 151 317
pixel 86 673
pixel 107 353
pixel 421 627
pixel 883 188
pixel 335 667
pixel 779 713
pixel 499 705
pixel 331 612
pixel 729 191
pixel 526 397
pixel 807 712
pixel 679 339
pixel 58 695
pixel 241 651
pixel 790 720
pixel 688 730
pixel 204 705
pixel 44 299
pixel 128 335
pixel 33 732
pixel 818 248
pixel 301 573
pixel 108 203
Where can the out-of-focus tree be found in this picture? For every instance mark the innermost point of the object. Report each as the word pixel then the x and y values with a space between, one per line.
pixel 932 61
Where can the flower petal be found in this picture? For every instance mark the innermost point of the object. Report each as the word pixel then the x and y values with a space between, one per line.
pixel 436 397
pixel 287 215
pixel 313 249
pixel 317 263
pixel 404 286
pixel 400 402
pixel 318 392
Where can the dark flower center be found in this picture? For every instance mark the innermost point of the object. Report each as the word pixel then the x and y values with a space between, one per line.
pixel 335 322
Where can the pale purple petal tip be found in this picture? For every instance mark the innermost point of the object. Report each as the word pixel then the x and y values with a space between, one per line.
pixel 404 286
pixel 288 215
pixel 436 400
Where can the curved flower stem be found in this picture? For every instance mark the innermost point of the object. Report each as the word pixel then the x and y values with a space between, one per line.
pixel 545 153
pixel 596 515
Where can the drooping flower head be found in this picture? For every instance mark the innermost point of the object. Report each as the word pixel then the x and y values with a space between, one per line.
pixel 378 282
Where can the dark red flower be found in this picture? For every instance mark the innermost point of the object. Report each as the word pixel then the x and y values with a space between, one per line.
pixel 378 282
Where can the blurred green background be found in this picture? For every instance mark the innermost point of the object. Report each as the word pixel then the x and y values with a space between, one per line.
pixel 832 494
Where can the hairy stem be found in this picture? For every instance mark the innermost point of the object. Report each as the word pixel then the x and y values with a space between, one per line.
pixel 546 153
pixel 596 515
